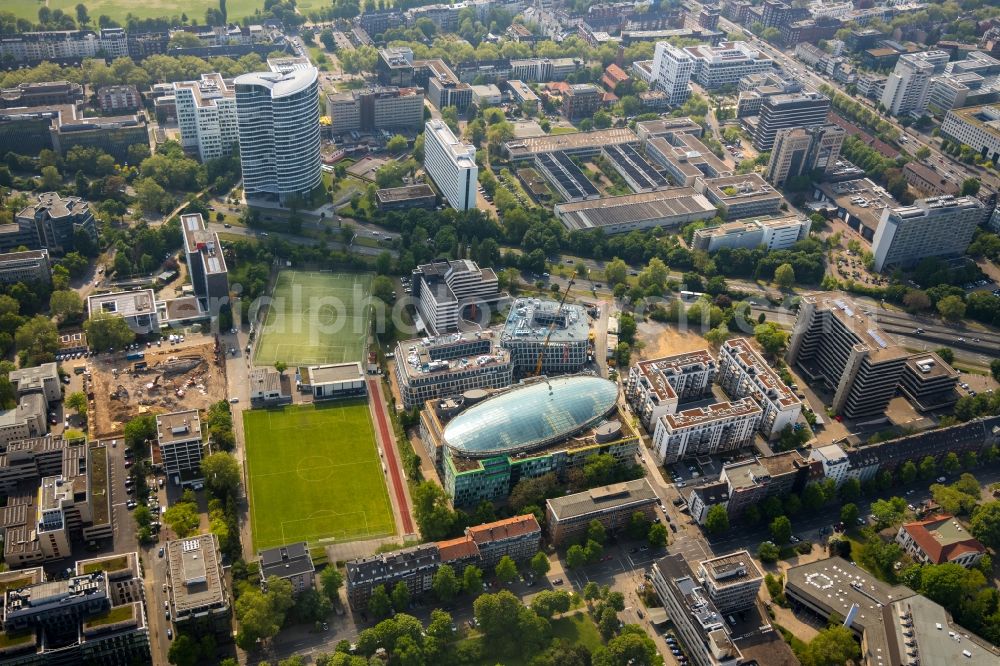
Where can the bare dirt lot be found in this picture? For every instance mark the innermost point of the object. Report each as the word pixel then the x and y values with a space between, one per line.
pixel 175 378
pixel 657 340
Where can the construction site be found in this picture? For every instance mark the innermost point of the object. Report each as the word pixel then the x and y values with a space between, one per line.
pixel 155 380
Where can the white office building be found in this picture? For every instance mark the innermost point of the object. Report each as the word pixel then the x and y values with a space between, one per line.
pixel 451 164
pixel 206 115
pixel 444 290
pixel 936 227
pixel 906 89
pixel 672 69
pixel 278 116
pixel 777 234
pixel 743 373
pixel 725 65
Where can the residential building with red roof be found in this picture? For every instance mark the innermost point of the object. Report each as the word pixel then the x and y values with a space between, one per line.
pixel 938 540
pixel 614 76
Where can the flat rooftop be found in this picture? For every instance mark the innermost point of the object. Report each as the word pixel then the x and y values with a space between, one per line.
pixel 195 581
pixel 628 493
pixel 530 146
pixel 530 319
pixel 740 188
pixel 463 154
pixel 199 240
pixel 208 89
pixel 123 303
pixel 881 345
pixel 703 415
pixel 862 199
pixel 334 372
pixel 634 208
pixel 732 569
pixel 393 194
pixel 442 354
pixel 938 640
pixel 928 365
pixel 178 427
pixel 663 126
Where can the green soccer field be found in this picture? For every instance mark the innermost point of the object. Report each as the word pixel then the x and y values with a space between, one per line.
pixel 315 474
pixel 316 318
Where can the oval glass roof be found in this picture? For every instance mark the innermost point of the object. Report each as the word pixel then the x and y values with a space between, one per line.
pixel 531 416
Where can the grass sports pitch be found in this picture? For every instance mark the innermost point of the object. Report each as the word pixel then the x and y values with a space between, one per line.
pixel 315 474
pixel 316 318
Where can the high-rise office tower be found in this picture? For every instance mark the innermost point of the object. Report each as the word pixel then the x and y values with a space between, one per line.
pixel 278 116
pixel 804 109
pixel 907 87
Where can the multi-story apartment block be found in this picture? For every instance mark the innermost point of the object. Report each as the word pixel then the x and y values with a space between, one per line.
pixel 722 426
pixel 414 566
pixel 137 308
pixel 672 69
pixel 451 164
pixel 206 116
pixel 977 127
pixel 559 334
pixel 833 341
pixel 731 581
pixel 430 368
pixel 41 94
pixel 743 372
pixel 292 563
pixel 198 597
pixel 52 45
pixel 582 100
pixel 519 538
pixel 799 151
pixel 725 65
pixel 51 223
pixel 95 616
pixel 700 625
pixel 446 290
pixel 28 267
pixel 774 234
pixel 568 517
pixel 278 120
pixel 373 109
pixel 835 462
pixel 178 436
pixel 777 112
pixel 907 87
pixel 928 181
pixel 205 262
pixel 119 98
pixel 935 227
pixel 655 387
pixel 928 382
pixel 939 540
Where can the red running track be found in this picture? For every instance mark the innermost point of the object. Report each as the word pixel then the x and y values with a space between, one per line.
pixel 375 394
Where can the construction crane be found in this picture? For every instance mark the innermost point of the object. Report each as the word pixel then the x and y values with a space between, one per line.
pixel 552 327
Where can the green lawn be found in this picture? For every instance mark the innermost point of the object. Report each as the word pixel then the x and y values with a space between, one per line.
pixel 555 131
pixel 315 474
pixel 115 564
pixel 119 9
pixel 578 629
pixel 316 318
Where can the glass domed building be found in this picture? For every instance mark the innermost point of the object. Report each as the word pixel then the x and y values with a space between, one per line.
pixel 488 443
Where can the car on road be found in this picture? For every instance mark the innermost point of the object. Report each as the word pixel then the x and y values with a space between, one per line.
pixel 170 634
pixel 160 554
pixel 941 479
pixel 557 581
pixel 131 504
